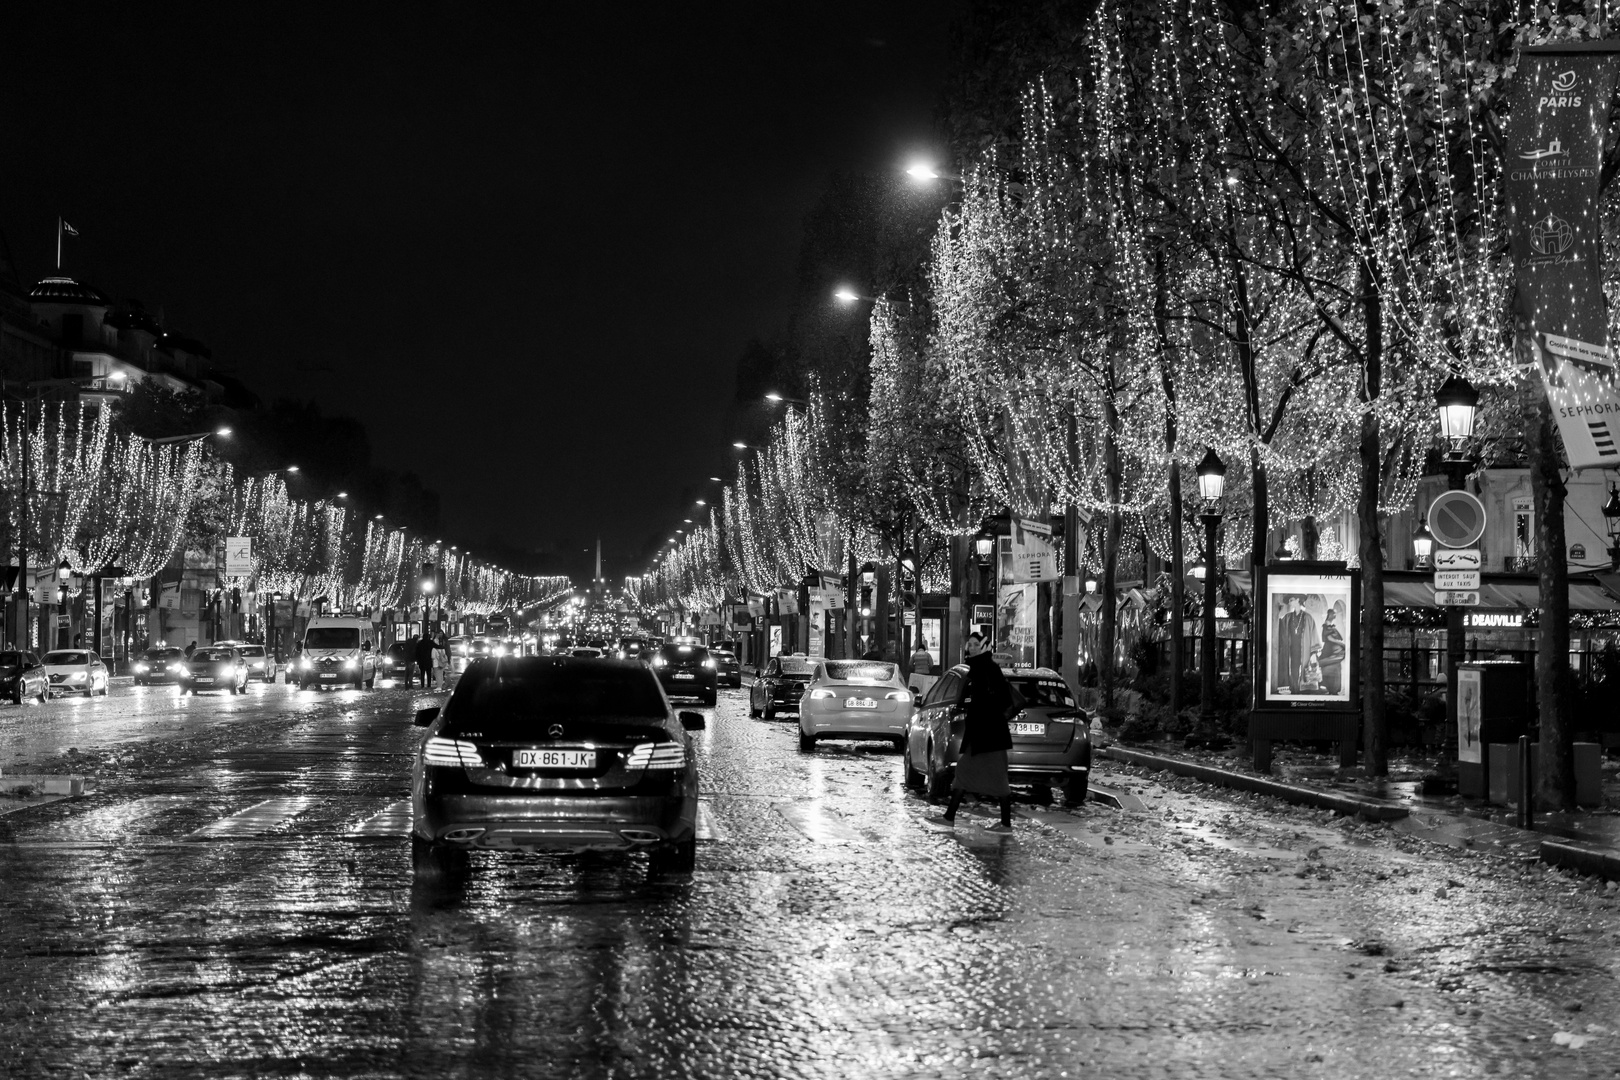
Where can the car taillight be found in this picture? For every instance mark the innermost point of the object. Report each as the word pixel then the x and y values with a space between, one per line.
pixel 451 752
pixel 656 756
pixel 898 695
pixel 821 694
pixel 709 663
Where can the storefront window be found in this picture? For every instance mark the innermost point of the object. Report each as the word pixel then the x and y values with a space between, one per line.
pixel 1524 529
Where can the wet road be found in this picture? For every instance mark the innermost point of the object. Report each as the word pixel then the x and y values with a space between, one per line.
pixel 237 899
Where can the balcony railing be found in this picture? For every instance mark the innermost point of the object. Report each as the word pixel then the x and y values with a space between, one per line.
pixel 1520 564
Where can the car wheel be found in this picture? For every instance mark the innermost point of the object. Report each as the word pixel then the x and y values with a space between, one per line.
pixel 807 743
pixel 936 785
pixel 1075 789
pixel 769 712
pixel 914 779
pixel 678 858
pixel 104 691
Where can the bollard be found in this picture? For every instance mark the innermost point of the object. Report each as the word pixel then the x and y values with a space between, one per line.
pixel 1527 784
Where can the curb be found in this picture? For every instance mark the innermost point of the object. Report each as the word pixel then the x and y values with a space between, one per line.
pixel 44 785
pixel 1348 805
pixel 1584 858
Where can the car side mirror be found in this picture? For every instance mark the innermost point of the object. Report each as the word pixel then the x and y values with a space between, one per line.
pixel 693 721
pixel 424 717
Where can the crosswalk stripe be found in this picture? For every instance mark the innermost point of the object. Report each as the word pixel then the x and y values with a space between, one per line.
pixel 256 819
pixel 391 821
pixel 706 827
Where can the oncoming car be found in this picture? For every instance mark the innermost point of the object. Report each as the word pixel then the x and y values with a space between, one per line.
pixel 76 671
pixel 159 665
pixel 259 663
pixel 549 753
pixel 215 668
pixel 22 677
pixel 1051 737
pixel 686 671
pixel 854 699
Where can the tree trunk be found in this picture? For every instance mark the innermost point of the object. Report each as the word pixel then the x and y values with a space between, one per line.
pixel 1261 519
pixel 1178 590
pixel 1375 721
pixel 1556 774
pixel 1110 609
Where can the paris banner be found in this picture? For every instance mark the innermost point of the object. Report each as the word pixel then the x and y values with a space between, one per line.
pixel 1553 160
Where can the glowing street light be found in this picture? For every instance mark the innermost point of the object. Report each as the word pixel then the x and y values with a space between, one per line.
pixel 921 170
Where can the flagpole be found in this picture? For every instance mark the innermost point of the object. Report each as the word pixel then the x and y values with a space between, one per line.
pixel 59 243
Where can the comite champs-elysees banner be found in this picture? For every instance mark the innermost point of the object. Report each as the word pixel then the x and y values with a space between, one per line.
pixel 1553 159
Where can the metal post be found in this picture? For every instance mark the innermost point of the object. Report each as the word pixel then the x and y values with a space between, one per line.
pixel 1527 784
pixel 1206 652
pixel 22 555
pixel 1456 471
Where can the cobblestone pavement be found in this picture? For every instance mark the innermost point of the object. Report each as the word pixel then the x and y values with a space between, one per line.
pixel 237 899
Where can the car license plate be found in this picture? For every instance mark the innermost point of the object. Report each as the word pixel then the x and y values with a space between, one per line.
pixel 1029 729
pixel 329 675
pixel 684 675
pixel 555 759
pixel 860 703
pixel 203 679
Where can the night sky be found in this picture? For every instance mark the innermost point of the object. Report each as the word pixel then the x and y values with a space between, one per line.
pixel 524 245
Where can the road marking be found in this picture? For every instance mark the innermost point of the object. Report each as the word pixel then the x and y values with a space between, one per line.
pixel 256 819
pixel 393 820
pixel 706 827
pixel 817 824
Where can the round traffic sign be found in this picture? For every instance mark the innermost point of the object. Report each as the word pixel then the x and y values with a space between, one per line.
pixel 1457 519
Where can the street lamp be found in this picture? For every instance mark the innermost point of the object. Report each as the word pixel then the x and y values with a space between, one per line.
pixel 222 432
pixel 780 399
pixel 845 295
pixel 1423 543
pixel 1456 403
pixel 63 572
pixel 1211 486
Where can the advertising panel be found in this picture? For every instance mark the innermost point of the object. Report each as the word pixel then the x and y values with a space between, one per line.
pixel 1309 636
pixel 1033 555
pixel 1553 153
pixel 1015 623
pixel 1470 747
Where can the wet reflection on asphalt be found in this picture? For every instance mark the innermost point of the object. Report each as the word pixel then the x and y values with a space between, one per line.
pixel 238 900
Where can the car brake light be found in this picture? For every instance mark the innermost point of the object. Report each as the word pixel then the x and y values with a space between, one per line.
pixel 821 694
pixel 450 752
pixel 709 663
pixel 656 756
pixel 898 695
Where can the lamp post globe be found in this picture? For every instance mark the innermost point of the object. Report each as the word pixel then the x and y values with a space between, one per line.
pixel 1458 403
pixel 1422 545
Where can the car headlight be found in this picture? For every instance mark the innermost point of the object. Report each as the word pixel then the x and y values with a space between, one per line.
pixel 349 663
pixel 306 663
pixel 499 650
pixel 821 695
pixel 658 661
pixel 142 667
pixel 75 676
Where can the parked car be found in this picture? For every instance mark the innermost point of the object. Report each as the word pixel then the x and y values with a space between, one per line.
pixel 728 671
pixel 261 665
pixel 686 671
pixel 1051 737
pixel 854 699
pixel 75 671
pixel 780 686
pixel 215 667
pixel 159 665
pixel 22 677
pixel 552 753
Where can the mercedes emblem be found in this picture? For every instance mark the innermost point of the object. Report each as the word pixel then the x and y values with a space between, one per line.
pixel 556 731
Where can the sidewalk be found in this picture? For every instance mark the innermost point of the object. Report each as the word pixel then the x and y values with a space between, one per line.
pixel 1586 840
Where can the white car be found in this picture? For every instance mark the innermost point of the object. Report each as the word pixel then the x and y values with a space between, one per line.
pixel 75 671
pixel 260 666
pixel 854 699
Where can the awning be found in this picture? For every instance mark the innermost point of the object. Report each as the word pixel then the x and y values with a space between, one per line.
pixel 1513 592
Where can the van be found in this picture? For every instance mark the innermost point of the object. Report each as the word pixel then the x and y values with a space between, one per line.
pixel 338 650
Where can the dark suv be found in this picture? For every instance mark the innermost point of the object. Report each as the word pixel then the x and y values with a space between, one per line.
pixel 687 671
pixel 780 685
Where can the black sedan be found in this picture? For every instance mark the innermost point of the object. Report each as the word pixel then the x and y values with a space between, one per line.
pixel 548 753
pixel 687 671
pixel 22 678
pixel 215 669
pixel 159 665
pixel 395 662
pixel 780 686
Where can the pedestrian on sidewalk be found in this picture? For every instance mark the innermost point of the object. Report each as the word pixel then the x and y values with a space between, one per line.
pixel 981 768
pixel 424 660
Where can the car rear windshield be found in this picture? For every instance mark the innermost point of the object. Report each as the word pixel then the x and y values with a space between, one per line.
pixel 1044 693
pixel 332 637
pixel 685 652
pixel 67 656
pixel 160 654
pixel 797 666
pixel 250 650
pixel 519 696
pixel 10 659
pixel 211 655
pixel 860 671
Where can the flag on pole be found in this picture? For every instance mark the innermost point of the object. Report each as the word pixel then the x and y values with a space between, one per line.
pixel 70 230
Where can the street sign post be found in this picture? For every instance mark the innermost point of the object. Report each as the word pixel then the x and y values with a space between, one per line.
pixel 1455 580
pixel 1458 559
pixel 1456 598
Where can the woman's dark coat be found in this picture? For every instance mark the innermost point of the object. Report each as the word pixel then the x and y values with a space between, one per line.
pixel 989 696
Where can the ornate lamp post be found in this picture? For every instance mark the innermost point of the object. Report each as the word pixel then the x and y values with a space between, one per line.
pixel 64 622
pixel 984 555
pixel 1456 403
pixel 1422 546
pixel 1211 486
